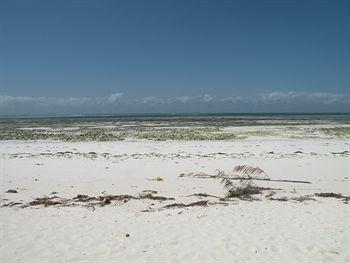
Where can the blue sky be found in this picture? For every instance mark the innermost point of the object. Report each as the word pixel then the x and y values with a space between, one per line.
pixel 89 56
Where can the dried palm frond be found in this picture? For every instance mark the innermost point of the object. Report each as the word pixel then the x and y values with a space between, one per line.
pixel 245 188
pixel 248 170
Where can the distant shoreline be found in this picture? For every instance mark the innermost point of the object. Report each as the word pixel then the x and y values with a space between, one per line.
pixel 174 115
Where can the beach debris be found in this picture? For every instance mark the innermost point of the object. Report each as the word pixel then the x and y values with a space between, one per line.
pixel 303 198
pixel 270 194
pixel 204 195
pixel 105 199
pixel 10 204
pixel 245 188
pixel 152 197
pixel 149 191
pixel 334 195
pixel 127 235
pixel 91 201
pixel 249 171
pixel 12 191
pixel 221 174
pixel 158 179
pixel 46 201
pixel 282 199
pixel 82 198
pixel 181 205
pixel 341 153
pixel 346 199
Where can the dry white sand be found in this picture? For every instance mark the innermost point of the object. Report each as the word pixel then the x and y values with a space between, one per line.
pixel 242 231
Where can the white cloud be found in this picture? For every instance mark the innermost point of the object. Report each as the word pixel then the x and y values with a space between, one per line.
pixel 207 98
pixel 304 97
pixel 59 102
pixel 6 100
pixel 50 101
pixel 183 99
pixel 155 100
pixel 115 97
pixel 232 99
pixel 328 98
pixel 68 102
pixel 277 96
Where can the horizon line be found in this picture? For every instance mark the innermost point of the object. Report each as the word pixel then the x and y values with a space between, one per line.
pixel 165 114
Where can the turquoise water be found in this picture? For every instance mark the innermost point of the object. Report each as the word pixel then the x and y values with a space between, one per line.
pixel 176 120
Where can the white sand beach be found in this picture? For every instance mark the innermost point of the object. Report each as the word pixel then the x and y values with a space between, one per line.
pixel 167 131
pixel 286 223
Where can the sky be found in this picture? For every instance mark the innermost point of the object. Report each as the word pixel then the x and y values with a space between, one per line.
pixel 110 57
